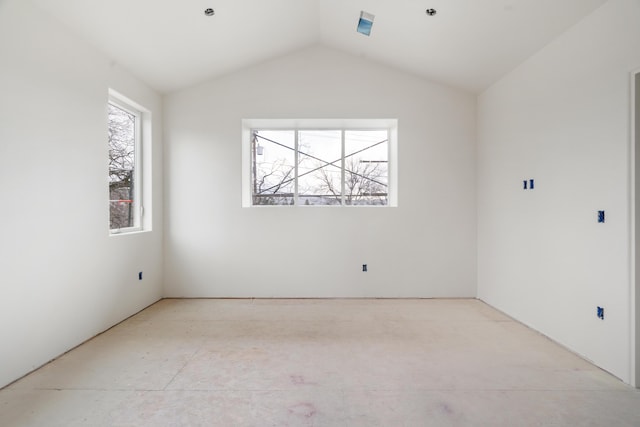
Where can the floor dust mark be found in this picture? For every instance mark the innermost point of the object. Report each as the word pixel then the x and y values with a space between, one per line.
pixel 300 380
pixel 303 410
pixel 444 407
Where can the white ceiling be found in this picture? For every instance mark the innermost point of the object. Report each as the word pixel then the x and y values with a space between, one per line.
pixel 171 44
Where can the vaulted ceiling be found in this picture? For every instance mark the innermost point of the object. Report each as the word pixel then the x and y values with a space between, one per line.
pixel 171 44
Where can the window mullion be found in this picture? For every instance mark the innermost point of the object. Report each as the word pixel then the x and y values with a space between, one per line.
pixel 342 164
pixel 137 173
pixel 296 156
pixel 389 167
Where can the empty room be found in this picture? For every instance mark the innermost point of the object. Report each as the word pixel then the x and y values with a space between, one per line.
pixel 320 213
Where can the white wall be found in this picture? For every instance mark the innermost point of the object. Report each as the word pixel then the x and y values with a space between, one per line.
pixel 637 226
pixel 63 278
pixel 562 118
pixel 423 248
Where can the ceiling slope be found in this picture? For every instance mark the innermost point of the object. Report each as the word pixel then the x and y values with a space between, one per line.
pixel 171 44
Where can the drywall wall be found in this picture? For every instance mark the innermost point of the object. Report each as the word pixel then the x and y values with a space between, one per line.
pixel 636 307
pixel 425 247
pixel 562 118
pixel 63 278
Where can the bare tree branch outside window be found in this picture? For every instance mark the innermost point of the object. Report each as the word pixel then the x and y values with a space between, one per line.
pixel 333 167
pixel 122 142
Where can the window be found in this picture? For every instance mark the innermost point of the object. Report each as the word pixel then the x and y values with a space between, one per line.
pixel 321 164
pixel 125 134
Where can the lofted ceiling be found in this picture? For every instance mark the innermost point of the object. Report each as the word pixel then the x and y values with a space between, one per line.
pixel 171 44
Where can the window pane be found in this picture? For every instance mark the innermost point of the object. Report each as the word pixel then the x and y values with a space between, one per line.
pixel 319 168
pixel 366 167
pixel 273 167
pixel 122 143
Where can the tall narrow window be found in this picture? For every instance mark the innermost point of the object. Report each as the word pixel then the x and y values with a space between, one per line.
pixel 124 132
pixel 366 156
pixel 320 167
pixel 273 167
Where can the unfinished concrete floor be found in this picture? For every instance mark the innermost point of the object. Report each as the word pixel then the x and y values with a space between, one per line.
pixel 214 362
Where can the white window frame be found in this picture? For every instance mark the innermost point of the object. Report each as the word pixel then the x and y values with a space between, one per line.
pixel 343 125
pixel 142 143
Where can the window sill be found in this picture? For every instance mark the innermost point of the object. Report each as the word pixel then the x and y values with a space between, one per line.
pixel 127 232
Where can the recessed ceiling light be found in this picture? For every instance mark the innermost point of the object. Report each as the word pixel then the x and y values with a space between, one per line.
pixel 430 12
pixel 209 12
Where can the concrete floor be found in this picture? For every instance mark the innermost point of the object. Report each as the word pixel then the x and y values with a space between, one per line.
pixel 319 363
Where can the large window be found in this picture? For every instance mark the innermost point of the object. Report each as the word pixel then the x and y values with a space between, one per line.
pixel 124 129
pixel 312 166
